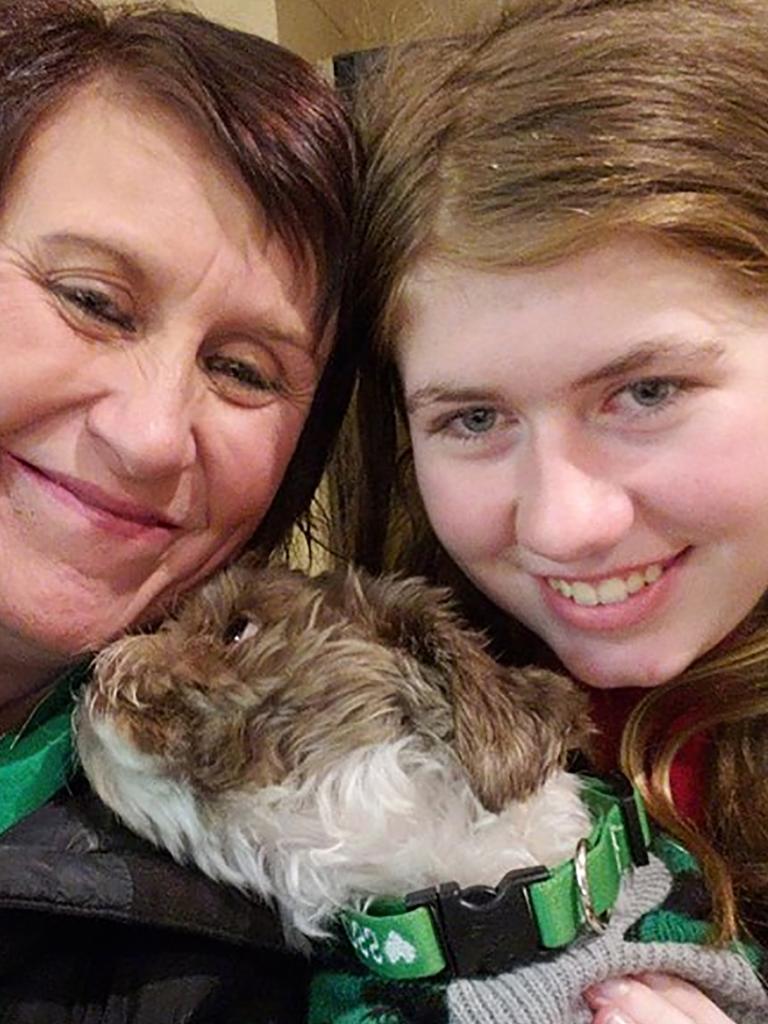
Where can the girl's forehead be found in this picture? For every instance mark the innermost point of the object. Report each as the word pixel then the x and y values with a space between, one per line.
pixel 624 307
pixel 620 253
pixel 626 281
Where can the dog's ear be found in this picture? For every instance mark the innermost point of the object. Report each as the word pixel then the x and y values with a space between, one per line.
pixel 513 727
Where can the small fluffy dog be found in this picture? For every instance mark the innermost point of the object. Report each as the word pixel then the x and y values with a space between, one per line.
pixel 319 741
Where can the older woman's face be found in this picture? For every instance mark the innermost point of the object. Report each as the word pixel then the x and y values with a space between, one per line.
pixel 157 363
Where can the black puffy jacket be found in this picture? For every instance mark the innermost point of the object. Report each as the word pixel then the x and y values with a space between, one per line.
pixel 97 927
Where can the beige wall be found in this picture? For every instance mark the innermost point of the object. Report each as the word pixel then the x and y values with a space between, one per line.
pixel 320 28
pixel 311 29
pixel 259 16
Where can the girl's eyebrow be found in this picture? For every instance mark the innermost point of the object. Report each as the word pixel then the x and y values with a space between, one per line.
pixel 448 392
pixel 647 354
pixel 642 357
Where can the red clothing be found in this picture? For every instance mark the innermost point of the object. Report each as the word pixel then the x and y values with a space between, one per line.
pixel 610 711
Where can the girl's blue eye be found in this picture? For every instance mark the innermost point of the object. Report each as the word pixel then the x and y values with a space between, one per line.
pixel 653 391
pixel 478 421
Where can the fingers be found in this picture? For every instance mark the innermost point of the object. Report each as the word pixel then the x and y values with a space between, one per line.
pixel 652 999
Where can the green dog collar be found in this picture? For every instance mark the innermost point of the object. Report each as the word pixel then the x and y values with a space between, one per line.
pixel 484 930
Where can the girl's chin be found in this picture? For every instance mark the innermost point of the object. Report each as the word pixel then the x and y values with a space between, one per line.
pixel 615 674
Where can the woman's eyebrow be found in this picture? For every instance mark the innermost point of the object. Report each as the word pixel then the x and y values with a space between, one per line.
pixel 71 241
pixel 270 327
pixel 648 354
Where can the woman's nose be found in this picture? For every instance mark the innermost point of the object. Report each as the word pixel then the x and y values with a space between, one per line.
pixel 143 425
pixel 569 511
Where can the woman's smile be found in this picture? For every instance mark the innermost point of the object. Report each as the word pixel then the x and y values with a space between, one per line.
pixel 95 506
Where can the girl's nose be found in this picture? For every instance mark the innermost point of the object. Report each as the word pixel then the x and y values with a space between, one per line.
pixel 143 425
pixel 567 511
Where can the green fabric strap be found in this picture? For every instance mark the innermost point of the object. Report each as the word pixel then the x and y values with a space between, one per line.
pixel 398 943
pixel 37 761
pixel 556 903
pixel 395 943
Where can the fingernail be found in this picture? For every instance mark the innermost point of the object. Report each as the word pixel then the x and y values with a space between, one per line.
pixel 614 1017
pixel 607 991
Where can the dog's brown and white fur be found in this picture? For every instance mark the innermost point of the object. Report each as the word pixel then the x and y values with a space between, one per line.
pixel 320 741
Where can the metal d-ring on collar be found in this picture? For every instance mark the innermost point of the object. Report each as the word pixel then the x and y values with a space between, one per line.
pixel 591 918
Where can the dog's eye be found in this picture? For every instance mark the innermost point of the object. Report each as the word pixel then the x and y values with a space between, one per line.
pixel 240 628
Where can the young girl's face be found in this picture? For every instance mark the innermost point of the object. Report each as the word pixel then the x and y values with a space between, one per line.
pixel 591 444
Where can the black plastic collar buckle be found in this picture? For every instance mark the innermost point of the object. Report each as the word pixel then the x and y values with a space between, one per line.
pixel 622 787
pixel 484 929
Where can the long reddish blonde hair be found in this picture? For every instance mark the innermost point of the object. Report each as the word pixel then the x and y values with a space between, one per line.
pixel 533 139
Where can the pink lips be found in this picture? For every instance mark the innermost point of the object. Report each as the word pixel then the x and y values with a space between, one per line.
pixel 93 498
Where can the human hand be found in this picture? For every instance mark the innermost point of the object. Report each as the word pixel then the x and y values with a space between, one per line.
pixel 652 999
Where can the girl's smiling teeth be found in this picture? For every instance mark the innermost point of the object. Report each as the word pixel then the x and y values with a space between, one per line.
pixel 612 590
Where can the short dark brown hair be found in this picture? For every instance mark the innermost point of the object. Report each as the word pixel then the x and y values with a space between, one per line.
pixel 264 111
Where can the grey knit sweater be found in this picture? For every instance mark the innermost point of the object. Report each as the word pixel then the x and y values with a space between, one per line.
pixel 551 992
